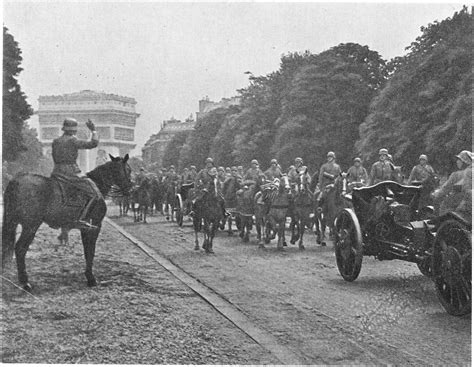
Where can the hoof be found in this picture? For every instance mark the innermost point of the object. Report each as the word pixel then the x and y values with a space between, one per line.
pixel 230 233
pixel 241 235
pixel 323 243
pixel 285 244
pixel 301 247
pixel 92 283
pixel 167 218
pixel 261 246
pixel 196 248
pixel 267 241
pixel 292 241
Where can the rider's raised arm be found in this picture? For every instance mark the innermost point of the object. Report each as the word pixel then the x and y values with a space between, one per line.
pixel 88 144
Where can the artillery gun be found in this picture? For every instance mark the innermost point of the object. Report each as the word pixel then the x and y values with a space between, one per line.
pixel 385 221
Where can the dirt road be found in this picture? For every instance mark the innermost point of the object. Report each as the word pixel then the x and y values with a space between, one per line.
pixel 390 314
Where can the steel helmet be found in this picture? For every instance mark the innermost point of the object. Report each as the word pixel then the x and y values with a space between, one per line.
pixel 273 161
pixel 465 156
pixel 423 156
pixel 209 160
pixel 70 124
pixel 331 154
pixel 192 167
pixel 357 159
pixel 383 151
pixel 300 160
pixel 254 161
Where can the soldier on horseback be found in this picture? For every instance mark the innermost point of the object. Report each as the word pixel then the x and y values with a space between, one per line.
pixel 274 171
pixel 357 175
pixel 383 169
pixel 421 172
pixel 329 171
pixel 294 171
pixel 253 173
pixel 65 151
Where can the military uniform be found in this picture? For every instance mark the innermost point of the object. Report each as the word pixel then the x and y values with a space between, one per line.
pixel 65 153
pixel 357 174
pixel 421 173
pixel 381 171
pixel 329 168
pixel 253 174
pixel 273 172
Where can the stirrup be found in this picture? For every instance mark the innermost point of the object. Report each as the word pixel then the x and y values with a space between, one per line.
pixel 82 224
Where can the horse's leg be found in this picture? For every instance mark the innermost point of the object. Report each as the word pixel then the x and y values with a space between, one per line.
pixel 145 209
pixel 280 241
pixel 196 231
pixel 247 228
pixel 301 232
pixel 89 239
pixel 229 226
pixel 28 232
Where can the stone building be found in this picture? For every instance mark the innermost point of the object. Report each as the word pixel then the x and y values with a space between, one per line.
pixel 154 149
pixel 114 117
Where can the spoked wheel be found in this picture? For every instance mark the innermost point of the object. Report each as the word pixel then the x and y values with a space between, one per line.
pixel 348 245
pixel 452 267
pixel 179 210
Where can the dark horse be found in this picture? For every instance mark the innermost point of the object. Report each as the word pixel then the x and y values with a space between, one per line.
pixel 31 199
pixel 207 209
pixel 246 206
pixel 302 210
pixel 279 202
pixel 141 200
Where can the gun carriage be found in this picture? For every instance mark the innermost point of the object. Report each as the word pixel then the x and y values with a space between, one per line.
pixel 385 221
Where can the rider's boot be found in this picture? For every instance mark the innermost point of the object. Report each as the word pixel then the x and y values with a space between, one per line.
pixel 84 222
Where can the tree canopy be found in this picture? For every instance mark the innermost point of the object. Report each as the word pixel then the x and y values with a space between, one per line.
pixel 426 106
pixel 15 108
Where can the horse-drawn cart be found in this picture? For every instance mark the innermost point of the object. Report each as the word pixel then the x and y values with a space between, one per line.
pixel 183 204
pixel 387 223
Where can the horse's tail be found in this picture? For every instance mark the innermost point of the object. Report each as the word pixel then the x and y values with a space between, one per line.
pixel 10 221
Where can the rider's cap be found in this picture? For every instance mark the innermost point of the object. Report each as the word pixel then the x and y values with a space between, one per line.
pixel 209 160
pixel 331 154
pixel 273 161
pixel 423 156
pixel 254 161
pixel 70 124
pixel 357 159
pixel 299 160
pixel 383 151
pixel 465 156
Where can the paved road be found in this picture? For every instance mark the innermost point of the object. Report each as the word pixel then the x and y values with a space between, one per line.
pixel 390 314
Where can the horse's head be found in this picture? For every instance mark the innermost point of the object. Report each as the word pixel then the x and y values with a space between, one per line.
pixel 285 184
pixel 118 171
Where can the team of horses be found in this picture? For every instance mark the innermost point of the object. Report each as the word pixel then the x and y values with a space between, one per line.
pixel 30 200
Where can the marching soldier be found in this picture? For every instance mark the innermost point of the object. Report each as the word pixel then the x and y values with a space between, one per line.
pixel 329 171
pixel 274 171
pixel 383 169
pixel 240 171
pixel 65 151
pixel 357 175
pixel 421 172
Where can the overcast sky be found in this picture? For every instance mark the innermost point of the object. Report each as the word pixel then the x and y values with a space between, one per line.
pixel 169 55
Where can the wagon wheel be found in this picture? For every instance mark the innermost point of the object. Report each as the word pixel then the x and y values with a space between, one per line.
pixel 348 245
pixel 452 267
pixel 425 267
pixel 179 210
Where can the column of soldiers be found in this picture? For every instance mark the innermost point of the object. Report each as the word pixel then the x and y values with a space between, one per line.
pixel 357 176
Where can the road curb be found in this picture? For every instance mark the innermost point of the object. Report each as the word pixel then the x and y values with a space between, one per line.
pixel 224 307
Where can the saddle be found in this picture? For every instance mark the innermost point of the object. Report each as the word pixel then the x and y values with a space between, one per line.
pixel 76 192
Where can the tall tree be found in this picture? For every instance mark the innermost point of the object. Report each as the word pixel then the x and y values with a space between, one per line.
pixel 327 101
pixel 427 105
pixel 15 108
pixel 173 148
